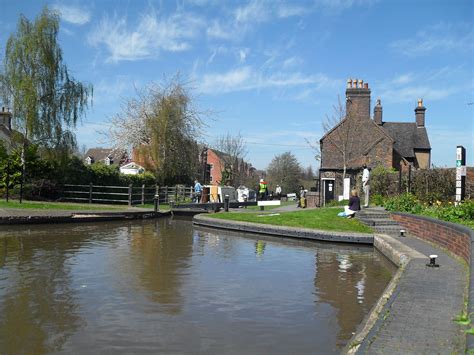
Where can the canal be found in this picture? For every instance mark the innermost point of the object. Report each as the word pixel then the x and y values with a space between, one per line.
pixel 164 286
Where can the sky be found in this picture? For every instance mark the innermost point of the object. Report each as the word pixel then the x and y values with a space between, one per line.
pixel 272 70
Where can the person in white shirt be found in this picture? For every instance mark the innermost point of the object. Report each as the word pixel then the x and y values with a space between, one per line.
pixel 366 184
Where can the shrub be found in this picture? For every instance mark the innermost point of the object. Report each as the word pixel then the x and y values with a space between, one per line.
pixel 406 202
pixel 384 181
pixel 434 184
pixel 377 199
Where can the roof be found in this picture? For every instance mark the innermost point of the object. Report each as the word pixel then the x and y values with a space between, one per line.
pixel 132 165
pixel 408 137
pixel 102 153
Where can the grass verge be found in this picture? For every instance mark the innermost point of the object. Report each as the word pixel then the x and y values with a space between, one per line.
pixel 324 219
pixel 39 205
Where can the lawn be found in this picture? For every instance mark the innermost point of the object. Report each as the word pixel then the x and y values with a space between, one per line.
pixel 283 203
pixel 39 205
pixel 323 218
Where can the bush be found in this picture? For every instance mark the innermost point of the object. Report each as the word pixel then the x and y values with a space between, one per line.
pixel 406 202
pixel 434 184
pixel 384 181
pixel 377 199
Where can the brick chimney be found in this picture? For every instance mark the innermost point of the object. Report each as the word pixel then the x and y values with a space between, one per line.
pixel 420 114
pixel 378 113
pixel 6 118
pixel 358 99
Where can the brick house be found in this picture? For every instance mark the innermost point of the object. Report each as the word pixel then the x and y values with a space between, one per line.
pixel 212 164
pixel 359 139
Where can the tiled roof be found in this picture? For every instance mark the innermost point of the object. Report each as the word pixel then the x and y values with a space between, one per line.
pixel 407 137
pixel 99 154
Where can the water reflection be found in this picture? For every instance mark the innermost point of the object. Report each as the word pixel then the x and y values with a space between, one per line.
pixel 166 286
pixel 348 281
pixel 159 264
pixel 38 308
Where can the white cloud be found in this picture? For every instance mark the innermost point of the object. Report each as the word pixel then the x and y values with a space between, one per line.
pixel 151 36
pixel 441 37
pixel 246 78
pixel 409 87
pixel 243 53
pixel 73 14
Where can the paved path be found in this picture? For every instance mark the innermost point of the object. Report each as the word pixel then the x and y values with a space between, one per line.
pixel 418 319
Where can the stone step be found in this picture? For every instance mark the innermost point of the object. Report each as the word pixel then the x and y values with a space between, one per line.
pixel 374 216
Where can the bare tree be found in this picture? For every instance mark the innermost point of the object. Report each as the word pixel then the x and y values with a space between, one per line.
pixel 161 126
pixel 233 152
pixel 341 129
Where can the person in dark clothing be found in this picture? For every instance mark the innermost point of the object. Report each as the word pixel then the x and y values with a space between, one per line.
pixel 352 207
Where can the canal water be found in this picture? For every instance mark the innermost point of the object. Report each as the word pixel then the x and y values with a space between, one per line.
pixel 164 286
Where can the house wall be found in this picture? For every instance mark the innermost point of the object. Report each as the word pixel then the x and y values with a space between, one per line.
pixel 423 159
pixel 366 144
pixel 214 160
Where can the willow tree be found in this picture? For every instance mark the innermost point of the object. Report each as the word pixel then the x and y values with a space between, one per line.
pixel 160 125
pixel 46 101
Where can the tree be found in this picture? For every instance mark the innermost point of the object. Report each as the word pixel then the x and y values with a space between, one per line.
pixel 160 125
pixel 341 132
pixel 45 99
pixel 285 170
pixel 233 168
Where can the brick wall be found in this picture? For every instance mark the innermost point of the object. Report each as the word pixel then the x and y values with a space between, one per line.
pixel 450 236
pixel 215 161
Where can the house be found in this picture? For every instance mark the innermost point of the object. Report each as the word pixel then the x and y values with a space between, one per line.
pixel 359 139
pixel 132 168
pixel 214 163
pixel 6 127
pixel 105 155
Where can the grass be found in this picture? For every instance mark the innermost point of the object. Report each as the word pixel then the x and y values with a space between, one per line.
pixel 39 205
pixel 324 219
pixel 283 203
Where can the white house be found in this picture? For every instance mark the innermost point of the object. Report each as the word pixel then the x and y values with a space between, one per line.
pixel 132 169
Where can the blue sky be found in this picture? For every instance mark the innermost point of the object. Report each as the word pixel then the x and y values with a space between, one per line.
pixel 272 70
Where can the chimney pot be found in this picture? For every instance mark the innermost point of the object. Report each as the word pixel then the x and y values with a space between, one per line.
pixel 420 114
pixel 366 85
pixel 361 84
pixel 349 83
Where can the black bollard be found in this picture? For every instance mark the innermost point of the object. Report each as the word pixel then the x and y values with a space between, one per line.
pixel 226 203
pixel 156 202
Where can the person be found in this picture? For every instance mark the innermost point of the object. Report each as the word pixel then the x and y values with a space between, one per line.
pixel 352 207
pixel 366 185
pixel 302 199
pixel 262 190
pixel 278 191
pixel 197 191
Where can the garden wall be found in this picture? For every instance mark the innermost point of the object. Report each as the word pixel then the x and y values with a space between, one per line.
pixel 453 237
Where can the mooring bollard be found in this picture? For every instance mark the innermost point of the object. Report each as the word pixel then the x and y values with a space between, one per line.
pixel 433 261
pixel 156 202
pixel 226 203
pixel 402 233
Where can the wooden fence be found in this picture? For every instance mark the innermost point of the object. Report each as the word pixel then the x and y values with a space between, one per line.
pixel 131 195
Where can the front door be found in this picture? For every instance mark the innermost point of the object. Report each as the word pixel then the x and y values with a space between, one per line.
pixel 328 190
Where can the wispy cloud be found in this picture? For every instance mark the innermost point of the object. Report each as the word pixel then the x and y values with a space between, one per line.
pixel 72 14
pixel 441 37
pixel 151 36
pixel 246 78
pixel 112 90
pixel 409 87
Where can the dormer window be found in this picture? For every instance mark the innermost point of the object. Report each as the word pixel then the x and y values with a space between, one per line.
pixel 89 160
pixel 109 161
